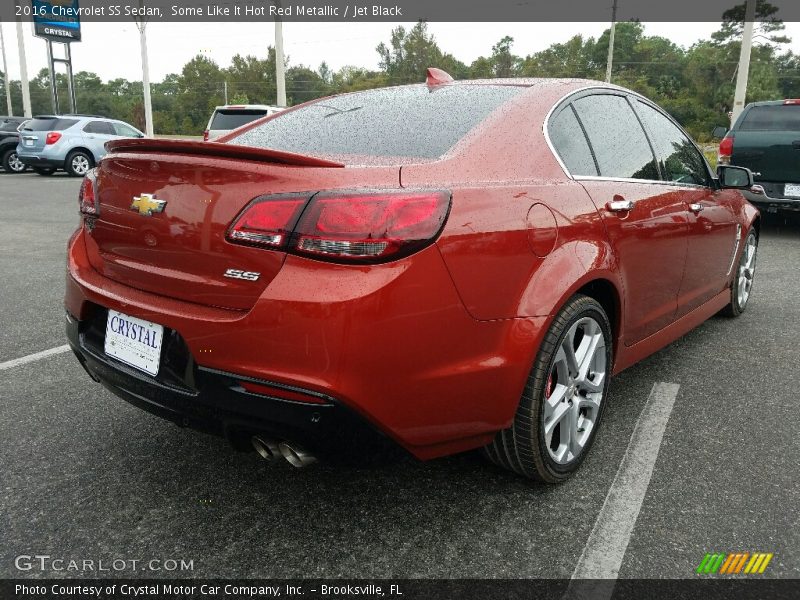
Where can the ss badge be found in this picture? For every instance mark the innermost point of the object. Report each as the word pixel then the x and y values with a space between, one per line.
pixel 246 275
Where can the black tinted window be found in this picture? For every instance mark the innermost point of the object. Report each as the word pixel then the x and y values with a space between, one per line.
pixel 778 117
pixel 677 155
pixel 570 143
pixel 8 125
pixel 412 121
pixel 49 124
pixel 231 119
pixel 617 137
pixel 100 128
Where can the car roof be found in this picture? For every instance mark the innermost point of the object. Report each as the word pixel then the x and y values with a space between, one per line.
pixel 247 107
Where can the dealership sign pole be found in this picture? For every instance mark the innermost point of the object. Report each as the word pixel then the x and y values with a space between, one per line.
pixel 141 25
pixel 23 72
pixel 6 81
pixel 744 60
pixel 57 21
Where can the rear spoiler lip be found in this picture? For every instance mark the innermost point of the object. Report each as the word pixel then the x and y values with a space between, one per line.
pixel 223 150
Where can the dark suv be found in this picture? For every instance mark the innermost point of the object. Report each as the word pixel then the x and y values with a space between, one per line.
pixel 766 140
pixel 9 138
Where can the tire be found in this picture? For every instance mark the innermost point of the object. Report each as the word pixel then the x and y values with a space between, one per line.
pixel 11 163
pixel 78 163
pixel 44 170
pixel 742 285
pixel 527 447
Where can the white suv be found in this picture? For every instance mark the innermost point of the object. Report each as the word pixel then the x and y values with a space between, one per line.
pixel 229 117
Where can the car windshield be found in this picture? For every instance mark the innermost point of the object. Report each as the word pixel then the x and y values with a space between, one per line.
pixel 775 117
pixel 412 121
pixel 48 124
pixel 231 119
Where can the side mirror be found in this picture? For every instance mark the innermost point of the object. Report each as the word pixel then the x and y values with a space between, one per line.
pixel 739 178
pixel 719 132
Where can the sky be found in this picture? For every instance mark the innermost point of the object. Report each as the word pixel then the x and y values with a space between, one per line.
pixel 112 49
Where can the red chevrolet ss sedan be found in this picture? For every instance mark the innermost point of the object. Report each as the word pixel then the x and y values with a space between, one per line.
pixel 450 265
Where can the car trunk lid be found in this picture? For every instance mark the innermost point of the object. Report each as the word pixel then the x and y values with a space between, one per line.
pixel 181 250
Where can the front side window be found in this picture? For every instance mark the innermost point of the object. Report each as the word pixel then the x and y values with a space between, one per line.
pixel 679 159
pixel 570 143
pixel 616 136
pixel 125 130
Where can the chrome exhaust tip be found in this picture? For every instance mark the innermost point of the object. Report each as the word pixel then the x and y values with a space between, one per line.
pixel 297 456
pixel 266 448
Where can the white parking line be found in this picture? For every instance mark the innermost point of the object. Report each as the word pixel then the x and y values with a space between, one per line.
pixel 602 556
pixel 33 357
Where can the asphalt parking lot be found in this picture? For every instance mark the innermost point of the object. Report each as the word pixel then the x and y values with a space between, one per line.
pixel 86 476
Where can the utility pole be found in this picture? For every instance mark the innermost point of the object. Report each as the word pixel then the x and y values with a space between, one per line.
pixel 23 72
pixel 141 25
pixel 280 76
pixel 744 60
pixel 6 80
pixel 610 60
pixel 226 92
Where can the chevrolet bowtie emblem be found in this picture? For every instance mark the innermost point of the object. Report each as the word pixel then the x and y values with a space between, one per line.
pixel 147 204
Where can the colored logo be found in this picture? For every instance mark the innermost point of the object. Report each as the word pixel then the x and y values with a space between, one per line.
pixel 147 204
pixel 719 563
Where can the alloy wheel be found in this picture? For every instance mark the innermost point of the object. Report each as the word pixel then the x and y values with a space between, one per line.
pixel 574 390
pixel 747 268
pixel 80 164
pixel 15 164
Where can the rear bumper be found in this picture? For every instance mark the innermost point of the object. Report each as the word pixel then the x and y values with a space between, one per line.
pixel 771 204
pixel 215 402
pixel 392 345
pixel 40 161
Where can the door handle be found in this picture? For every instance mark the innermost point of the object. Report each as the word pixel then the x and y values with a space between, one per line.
pixel 619 205
pixel 696 208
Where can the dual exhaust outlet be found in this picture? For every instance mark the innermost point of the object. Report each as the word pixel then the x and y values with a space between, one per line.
pixel 270 449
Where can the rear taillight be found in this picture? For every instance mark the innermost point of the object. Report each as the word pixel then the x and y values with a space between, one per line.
pixel 52 137
pixel 268 221
pixel 725 150
pixel 205 135
pixel 792 101
pixel 87 197
pixel 358 227
pixel 345 226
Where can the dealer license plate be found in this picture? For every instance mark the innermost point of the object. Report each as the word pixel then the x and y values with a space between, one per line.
pixel 792 189
pixel 29 142
pixel 135 342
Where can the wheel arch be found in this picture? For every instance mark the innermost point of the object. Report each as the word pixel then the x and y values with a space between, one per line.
pixel 78 149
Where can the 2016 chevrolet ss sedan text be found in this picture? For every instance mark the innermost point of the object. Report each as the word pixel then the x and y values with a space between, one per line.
pixel 452 265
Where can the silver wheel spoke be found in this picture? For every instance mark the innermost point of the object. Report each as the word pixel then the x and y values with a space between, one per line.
pixel 579 373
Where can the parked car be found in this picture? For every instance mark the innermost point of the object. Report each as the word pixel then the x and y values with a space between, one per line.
pixel 75 143
pixel 453 265
pixel 766 139
pixel 9 138
pixel 226 118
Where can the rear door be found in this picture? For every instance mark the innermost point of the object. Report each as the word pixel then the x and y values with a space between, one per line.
pixel 712 221
pixel 645 218
pixel 767 141
pixel 96 134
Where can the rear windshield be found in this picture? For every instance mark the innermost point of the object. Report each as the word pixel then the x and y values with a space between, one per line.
pixel 776 117
pixel 413 121
pixel 231 119
pixel 49 124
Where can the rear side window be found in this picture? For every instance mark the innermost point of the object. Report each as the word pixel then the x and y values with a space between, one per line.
pixel 100 128
pixel 231 119
pixel 776 117
pixel 570 143
pixel 412 121
pixel 49 124
pixel 617 137
pixel 125 130
pixel 680 161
